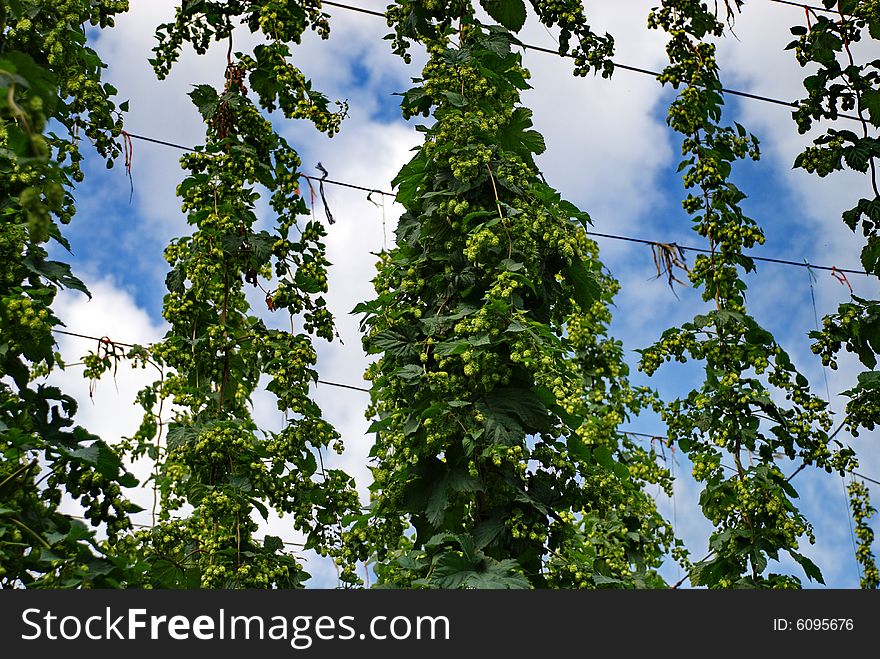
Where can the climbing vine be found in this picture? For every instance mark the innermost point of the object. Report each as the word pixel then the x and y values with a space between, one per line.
pixel 215 460
pixel 862 511
pixel 497 394
pixel 839 86
pixel 735 414
pixel 49 74
pixel 431 19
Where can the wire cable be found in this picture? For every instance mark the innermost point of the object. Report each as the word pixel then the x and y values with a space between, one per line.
pixel 365 390
pixel 190 149
pixel 373 12
pixel 625 67
pixel 799 5
pixel 754 258
pixel 93 338
pixel 138 525
pixel 362 188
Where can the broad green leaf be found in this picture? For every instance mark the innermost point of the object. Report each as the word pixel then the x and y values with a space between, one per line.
pixel 455 99
pixel 509 13
pixel 602 580
pixel 810 568
pixel 272 543
pixel 486 531
pixel 603 456
pixel 870 99
pixel 206 99
pixel 307 283
pixel 56 272
pixel 578 449
pixel 88 454
pixel 586 287
pixel 448 348
pixel 410 372
pixel 436 506
pixel 392 342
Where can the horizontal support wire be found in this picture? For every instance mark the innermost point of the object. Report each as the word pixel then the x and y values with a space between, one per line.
pixel 341 385
pixel 618 65
pixel 610 236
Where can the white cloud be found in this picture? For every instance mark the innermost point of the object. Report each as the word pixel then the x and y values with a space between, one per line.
pixel 606 141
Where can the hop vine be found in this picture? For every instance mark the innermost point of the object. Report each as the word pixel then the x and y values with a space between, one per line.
pixel 496 394
pixel 215 459
pixel 49 74
pixel 734 414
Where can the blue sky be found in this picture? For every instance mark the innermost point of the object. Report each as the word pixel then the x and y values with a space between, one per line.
pixel 609 151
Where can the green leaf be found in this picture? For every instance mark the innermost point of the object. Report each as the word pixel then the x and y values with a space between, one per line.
pixel 109 463
pixel 436 506
pixel 261 508
pixel 166 573
pixel 578 449
pixel 448 348
pixel 180 434
pixel 486 531
pixel 408 180
pixel 602 580
pixel 810 568
pixel 240 482
pixel 307 283
pixel 56 272
pixel 517 136
pixel 499 576
pixel 175 280
pixel 512 412
pixel 206 100
pixel 393 343
pixel 455 99
pixel 461 481
pixel 39 80
pixel 860 153
pixel 586 287
pixel 870 99
pixel 759 561
pixel 452 570
pixel 87 454
pixel 509 13
pixel 261 247
pixel 603 455
pixel 273 543
pixel 128 480
pixel 411 424
pixel 871 254
pixel 410 372
pixel 501 428
pixel 573 211
pixel 546 396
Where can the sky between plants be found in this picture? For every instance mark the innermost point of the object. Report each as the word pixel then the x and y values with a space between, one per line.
pixel 609 151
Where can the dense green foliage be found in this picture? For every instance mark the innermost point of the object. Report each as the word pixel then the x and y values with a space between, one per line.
pixel 216 466
pixel 48 73
pixel 840 84
pixel 736 412
pixel 498 395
